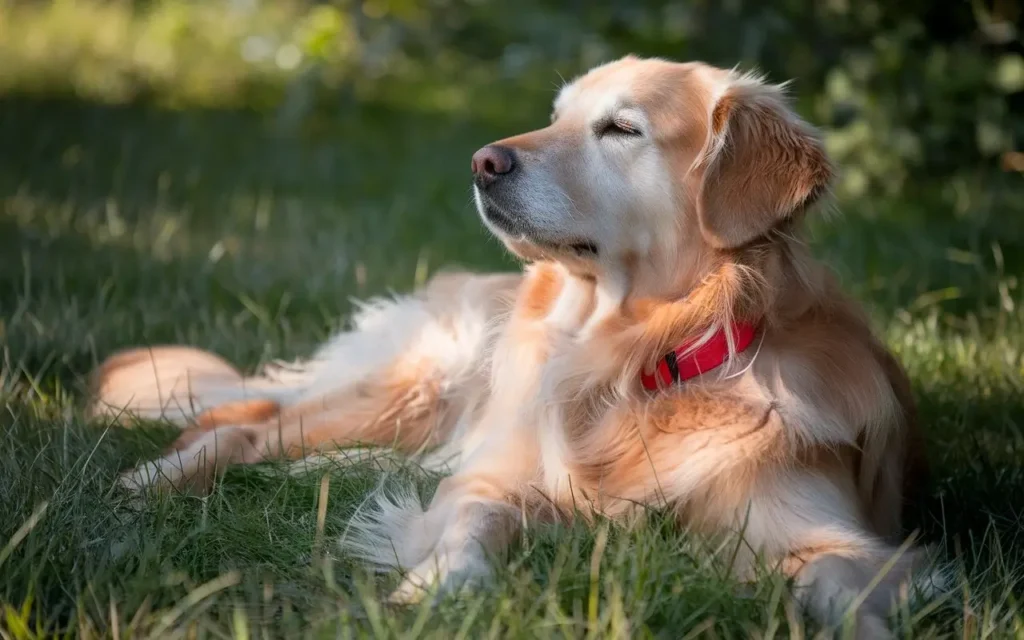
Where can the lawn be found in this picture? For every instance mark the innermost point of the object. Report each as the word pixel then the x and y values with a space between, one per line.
pixel 222 228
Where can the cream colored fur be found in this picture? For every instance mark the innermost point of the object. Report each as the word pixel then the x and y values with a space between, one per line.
pixel 526 387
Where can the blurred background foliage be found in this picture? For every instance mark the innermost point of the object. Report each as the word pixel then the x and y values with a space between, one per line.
pixel 908 91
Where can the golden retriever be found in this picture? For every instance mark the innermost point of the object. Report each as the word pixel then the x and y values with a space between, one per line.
pixel 671 342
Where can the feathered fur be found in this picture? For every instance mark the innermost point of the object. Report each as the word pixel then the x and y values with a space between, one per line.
pixel 526 387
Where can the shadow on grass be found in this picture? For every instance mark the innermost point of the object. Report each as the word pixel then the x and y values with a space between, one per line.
pixel 974 503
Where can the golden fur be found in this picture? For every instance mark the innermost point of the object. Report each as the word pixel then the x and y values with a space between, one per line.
pixel 527 387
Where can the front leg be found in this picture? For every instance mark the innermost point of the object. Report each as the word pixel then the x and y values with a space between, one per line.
pixel 447 547
pixel 477 512
pixel 473 533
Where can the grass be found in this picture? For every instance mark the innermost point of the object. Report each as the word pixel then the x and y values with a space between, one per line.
pixel 123 226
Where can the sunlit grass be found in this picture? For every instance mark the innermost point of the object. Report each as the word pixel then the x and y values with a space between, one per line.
pixel 246 232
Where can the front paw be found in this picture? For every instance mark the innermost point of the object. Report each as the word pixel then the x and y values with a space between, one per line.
pixel 141 477
pixel 189 474
pixel 444 572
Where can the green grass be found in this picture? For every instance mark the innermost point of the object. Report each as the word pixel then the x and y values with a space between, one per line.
pixel 123 226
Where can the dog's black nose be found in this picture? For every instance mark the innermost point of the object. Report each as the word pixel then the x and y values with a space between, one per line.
pixel 492 162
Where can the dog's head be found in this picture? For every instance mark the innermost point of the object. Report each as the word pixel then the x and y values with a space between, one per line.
pixel 647 168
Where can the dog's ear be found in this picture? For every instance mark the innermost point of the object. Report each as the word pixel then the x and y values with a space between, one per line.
pixel 761 165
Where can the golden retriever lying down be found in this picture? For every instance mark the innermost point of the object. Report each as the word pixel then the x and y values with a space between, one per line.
pixel 671 342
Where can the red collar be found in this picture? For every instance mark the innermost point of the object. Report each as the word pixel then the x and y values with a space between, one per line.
pixel 682 364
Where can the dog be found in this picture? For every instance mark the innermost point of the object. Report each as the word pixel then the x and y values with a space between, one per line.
pixel 670 342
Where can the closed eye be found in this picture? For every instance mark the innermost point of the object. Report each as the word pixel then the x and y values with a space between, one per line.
pixel 617 127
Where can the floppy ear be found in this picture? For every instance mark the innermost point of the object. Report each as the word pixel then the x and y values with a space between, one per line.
pixel 763 165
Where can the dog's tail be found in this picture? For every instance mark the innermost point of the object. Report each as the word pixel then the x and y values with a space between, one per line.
pixel 179 385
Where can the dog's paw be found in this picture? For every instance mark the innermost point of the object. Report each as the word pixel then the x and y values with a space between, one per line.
pixel 443 573
pixel 137 484
pixel 164 473
pixel 140 478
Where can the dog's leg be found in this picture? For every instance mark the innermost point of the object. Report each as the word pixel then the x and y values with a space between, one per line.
pixel 403 378
pixel 857 589
pixel 739 472
pixel 476 512
pixel 406 413
pixel 408 408
pixel 194 467
pixel 845 573
pixel 448 546
pixel 475 530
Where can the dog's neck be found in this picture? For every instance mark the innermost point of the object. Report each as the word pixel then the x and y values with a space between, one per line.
pixel 619 331
pixel 712 285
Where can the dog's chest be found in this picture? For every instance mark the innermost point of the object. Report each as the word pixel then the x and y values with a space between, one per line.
pixel 533 399
pixel 536 393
